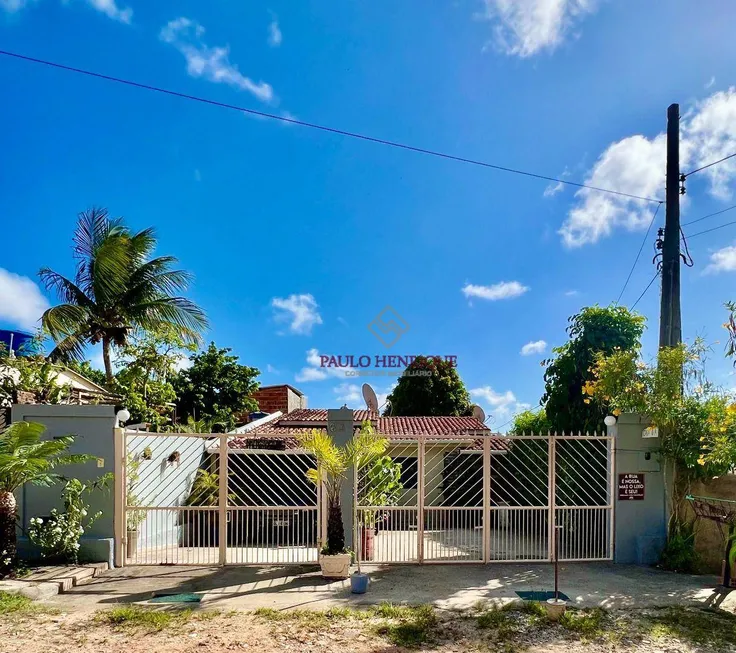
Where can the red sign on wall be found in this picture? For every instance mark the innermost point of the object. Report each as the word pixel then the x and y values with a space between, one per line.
pixel 630 487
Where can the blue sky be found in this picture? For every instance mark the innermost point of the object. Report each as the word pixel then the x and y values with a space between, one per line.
pixel 298 238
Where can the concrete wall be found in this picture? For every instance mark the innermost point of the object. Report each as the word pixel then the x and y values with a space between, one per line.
pixel 640 525
pixel 93 427
pixel 709 537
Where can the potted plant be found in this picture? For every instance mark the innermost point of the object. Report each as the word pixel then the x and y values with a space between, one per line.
pixel 332 464
pixel 381 486
pixel 133 518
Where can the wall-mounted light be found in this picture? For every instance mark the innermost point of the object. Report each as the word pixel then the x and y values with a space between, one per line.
pixel 123 416
pixel 610 420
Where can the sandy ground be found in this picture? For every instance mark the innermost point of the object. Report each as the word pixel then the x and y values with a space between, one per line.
pixel 237 631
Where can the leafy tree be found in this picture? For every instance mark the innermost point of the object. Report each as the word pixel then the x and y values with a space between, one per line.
pixel 117 288
pixel 31 372
pixel 593 331
pixel 25 458
pixel 216 387
pixel 429 387
pixel 696 423
pixel 147 366
pixel 531 422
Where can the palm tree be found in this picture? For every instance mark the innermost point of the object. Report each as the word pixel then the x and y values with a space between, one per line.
pixel 117 288
pixel 24 458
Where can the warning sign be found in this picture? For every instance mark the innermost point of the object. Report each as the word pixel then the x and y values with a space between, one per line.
pixel 630 487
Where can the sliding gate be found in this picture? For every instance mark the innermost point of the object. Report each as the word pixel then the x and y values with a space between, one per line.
pixel 484 498
pixel 209 499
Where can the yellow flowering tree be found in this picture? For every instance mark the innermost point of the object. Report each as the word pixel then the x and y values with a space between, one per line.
pixel 696 421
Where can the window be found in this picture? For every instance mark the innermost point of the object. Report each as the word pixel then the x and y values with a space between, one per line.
pixel 409 469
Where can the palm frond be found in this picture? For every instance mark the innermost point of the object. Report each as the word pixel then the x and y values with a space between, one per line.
pixel 71 348
pixel 68 326
pixel 173 311
pixel 142 245
pixel 66 290
pixel 366 446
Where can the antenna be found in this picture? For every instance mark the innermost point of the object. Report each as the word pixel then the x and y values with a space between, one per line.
pixel 371 401
pixel 479 414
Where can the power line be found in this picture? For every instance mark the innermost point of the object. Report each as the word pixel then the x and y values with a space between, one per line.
pixel 707 231
pixel 331 130
pixel 725 158
pixel 644 292
pixel 636 260
pixel 710 215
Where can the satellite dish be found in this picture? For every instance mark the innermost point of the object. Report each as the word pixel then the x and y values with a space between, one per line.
pixel 479 414
pixel 371 401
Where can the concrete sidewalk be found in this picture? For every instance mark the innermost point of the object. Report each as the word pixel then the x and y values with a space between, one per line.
pixel 445 586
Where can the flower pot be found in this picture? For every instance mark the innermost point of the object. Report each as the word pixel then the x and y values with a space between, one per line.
pixel 335 567
pixel 358 583
pixel 367 539
pixel 131 544
pixel 555 609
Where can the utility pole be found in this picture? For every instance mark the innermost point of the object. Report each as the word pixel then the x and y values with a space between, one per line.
pixel 670 319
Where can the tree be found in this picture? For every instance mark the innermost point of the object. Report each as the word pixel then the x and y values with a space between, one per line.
pixel 147 367
pixel 117 288
pixel 429 387
pixel 696 424
pixel 24 458
pixel 216 387
pixel 593 331
pixel 531 422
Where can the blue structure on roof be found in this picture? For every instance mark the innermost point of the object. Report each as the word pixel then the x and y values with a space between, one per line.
pixel 19 342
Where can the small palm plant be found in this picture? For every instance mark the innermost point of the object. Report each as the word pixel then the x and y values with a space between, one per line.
pixel 25 458
pixel 332 464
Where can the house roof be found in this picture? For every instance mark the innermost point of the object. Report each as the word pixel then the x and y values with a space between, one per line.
pixel 282 432
pixel 281 385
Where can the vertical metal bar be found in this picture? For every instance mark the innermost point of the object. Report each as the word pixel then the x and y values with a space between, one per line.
pixel 486 517
pixel 551 492
pixel 222 521
pixel 611 497
pixel 420 497
pixel 357 530
pixel 120 499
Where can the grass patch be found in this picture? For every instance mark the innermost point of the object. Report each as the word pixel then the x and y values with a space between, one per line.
pixel 588 624
pixel 136 616
pixel 12 603
pixel 694 625
pixel 408 625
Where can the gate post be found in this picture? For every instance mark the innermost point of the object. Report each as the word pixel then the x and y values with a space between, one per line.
pixel 486 498
pixel 420 499
pixel 552 497
pixel 119 499
pixel 222 501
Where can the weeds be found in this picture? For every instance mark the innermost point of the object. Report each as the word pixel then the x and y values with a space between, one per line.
pixel 588 624
pixel 694 625
pixel 16 603
pixel 134 616
pixel 416 625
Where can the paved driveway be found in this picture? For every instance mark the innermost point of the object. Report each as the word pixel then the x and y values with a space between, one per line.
pixel 445 586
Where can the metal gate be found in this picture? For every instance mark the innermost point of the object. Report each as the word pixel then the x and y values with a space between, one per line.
pixel 484 498
pixel 208 499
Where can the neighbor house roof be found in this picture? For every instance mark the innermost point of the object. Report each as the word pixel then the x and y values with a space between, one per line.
pixel 282 432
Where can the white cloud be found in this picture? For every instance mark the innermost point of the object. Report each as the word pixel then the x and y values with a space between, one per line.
pixel 535 347
pixel 502 290
pixel 552 189
pixel 210 63
pixel 572 293
pixel 111 9
pixel 314 371
pixel 636 165
pixel 183 362
pixel 274 34
pixel 526 27
pixel 300 311
pixel 271 369
pixel 501 404
pixel 710 82
pixel 722 260
pixel 108 7
pixel 350 394
pixel 21 301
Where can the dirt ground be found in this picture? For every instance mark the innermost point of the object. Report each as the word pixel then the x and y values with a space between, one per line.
pixel 134 630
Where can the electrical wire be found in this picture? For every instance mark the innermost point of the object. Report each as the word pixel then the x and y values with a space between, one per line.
pixel 725 158
pixel 644 292
pixel 710 215
pixel 324 128
pixel 636 260
pixel 707 231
